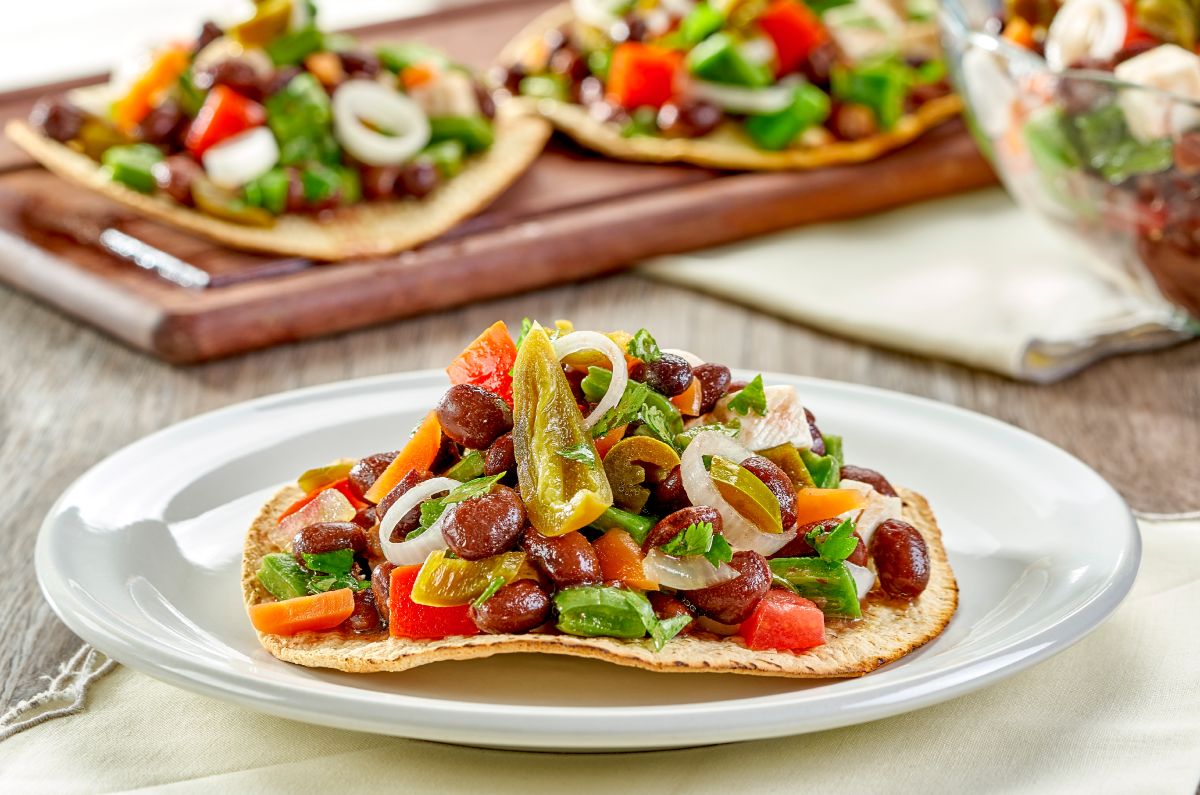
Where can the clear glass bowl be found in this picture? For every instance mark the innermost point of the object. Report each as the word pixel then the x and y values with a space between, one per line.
pixel 1128 185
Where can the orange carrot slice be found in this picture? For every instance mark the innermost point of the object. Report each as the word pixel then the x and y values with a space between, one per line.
pixel 149 88
pixel 418 453
pixel 688 401
pixel 609 440
pixel 621 560
pixel 304 613
pixel 813 505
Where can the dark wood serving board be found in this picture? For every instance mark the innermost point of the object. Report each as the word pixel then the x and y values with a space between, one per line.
pixel 572 216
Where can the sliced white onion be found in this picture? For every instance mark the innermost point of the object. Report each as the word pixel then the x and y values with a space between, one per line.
pixel 738 531
pixel 241 158
pixel 758 50
pixel 739 99
pixel 1085 29
pixel 685 574
pixel 357 101
pixel 687 356
pixel 94 100
pixel 409 553
pixel 864 578
pixel 578 341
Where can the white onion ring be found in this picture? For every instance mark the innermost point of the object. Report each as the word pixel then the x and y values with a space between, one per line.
pixel 685 574
pixel 864 578
pixel 408 553
pixel 738 99
pixel 689 357
pixel 356 101
pixel 241 158
pixel 738 531
pixel 578 341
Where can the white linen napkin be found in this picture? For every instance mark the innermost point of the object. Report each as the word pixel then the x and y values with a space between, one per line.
pixel 971 278
pixel 1119 712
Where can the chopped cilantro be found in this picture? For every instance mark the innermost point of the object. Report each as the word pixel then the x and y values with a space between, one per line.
pixel 584 453
pixel 526 327
pixel 643 347
pixel 836 545
pixel 730 429
pixel 751 398
pixel 431 510
pixel 720 551
pixel 655 422
pixel 695 539
pixel 625 412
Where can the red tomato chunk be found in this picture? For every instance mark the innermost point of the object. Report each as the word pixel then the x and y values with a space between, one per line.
pixel 784 621
pixel 411 620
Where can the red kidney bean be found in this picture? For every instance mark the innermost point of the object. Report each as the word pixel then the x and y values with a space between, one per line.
pixel 732 601
pixel 235 73
pixel 669 374
pixel 411 519
pixel 672 524
pixel 164 124
pixel 714 380
pixel 517 607
pixel 278 81
pixel 56 118
pixel 483 98
pixel 365 518
pixel 473 416
pixel 486 525
pixel 780 485
pixel 852 122
pixel 864 475
pixel 418 179
pixel 567 559
pixel 859 556
pixel 209 33
pixel 818 441
pixel 666 606
pixel 668 495
pixel 901 559
pixel 175 175
pixel 328 537
pixel 735 386
pixel 379 182
pixel 689 120
pixel 500 457
pixel 367 470
pixel 365 617
pixel 381 588
pixel 359 63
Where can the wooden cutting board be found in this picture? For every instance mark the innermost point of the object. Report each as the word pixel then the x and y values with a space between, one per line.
pixel 572 216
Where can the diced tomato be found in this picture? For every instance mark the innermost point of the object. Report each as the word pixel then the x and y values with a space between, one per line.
pixel 487 362
pixel 224 114
pixel 794 29
pixel 418 453
pixel 782 620
pixel 642 74
pixel 407 619
pixel 621 559
pixel 304 613
pixel 342 485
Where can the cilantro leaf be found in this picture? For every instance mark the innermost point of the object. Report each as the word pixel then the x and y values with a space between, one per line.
pixel 655 422
pixel 626 410
pixel 495 584
pixel 719 552
pixel 526 327
pixel 331 583
pixel 643 347
pixel 751 398
pixel 337 562
pixel 583 452
pixel 836 545
pixel 695 539
pixel 472 488
pixel 431 511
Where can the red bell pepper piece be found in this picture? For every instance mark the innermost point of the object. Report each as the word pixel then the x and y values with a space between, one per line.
pixel 1135 35
pixel 224 114
pixel 487 362
pixel 407 619
pixel 795 30
pixel 783 620
pixel 342 485
pixel 642 74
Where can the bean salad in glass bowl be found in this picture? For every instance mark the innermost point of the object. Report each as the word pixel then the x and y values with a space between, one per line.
pixel 1090 112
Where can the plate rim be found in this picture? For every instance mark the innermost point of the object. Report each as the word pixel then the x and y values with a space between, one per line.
pixel 433 718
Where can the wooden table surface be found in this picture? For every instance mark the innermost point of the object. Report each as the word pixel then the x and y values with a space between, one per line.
pixel 69 397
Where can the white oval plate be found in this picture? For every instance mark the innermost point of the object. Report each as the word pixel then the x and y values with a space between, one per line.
pixel 141 558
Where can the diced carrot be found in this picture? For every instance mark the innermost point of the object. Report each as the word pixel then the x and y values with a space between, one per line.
pixel 487 362
pixel 150 88
pixel 688 401
pixel 642 74
pixel 342 485
pixel 416 75
pixel 813 505
pixel 326 67
pixel 304 613
pixel 608 440
pixel 417 453
pixel 621 559
pixel 1019 32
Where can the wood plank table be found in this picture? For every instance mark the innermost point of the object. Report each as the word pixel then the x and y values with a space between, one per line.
pixel 70 396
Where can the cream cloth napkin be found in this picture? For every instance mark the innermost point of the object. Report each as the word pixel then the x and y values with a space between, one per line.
pixel 1119 712
pixel 971 278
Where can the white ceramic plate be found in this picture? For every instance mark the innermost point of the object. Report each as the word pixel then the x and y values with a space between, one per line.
pixel 141 558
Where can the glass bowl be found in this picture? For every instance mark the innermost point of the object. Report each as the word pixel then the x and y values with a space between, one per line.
pixel 1114 163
